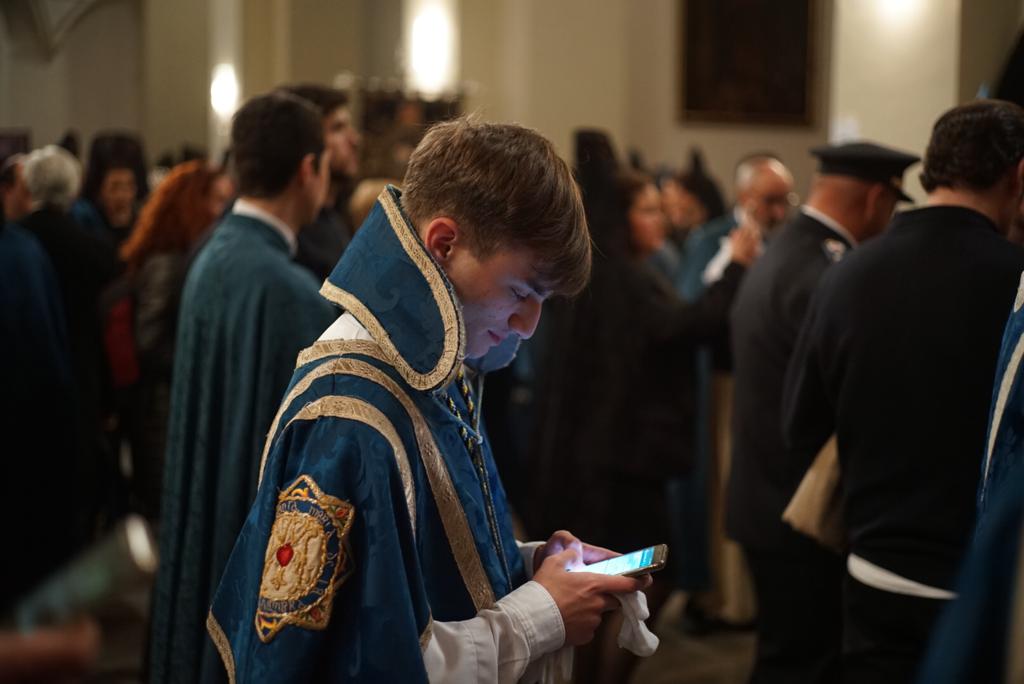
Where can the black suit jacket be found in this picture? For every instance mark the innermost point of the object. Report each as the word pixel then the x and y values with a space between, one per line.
pixel 897 356
pixel 766 320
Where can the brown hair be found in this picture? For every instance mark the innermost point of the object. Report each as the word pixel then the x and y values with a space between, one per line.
pixel 508 188
pixel 974 145
pixel 629 184
pixel 175 215
pixel 270 136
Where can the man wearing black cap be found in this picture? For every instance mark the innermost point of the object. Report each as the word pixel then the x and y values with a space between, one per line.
pixel 798 583
pixel 897 357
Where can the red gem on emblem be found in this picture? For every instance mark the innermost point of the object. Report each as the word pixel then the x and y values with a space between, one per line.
pixel 284 555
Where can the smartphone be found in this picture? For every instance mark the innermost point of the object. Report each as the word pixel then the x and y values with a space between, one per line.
pixel 632 564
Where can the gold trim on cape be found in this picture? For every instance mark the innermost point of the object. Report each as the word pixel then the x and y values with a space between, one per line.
pixel 453 517
pixel 324 348
pixel 451 314
pixel 1005 385
pixel 364 413
pixel 220 640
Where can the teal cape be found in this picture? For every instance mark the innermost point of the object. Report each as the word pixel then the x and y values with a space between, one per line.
pixel 36 408
pixel 246 312
pixel 371 520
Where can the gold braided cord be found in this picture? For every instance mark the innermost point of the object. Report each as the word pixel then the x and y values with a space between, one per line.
pixel 220 640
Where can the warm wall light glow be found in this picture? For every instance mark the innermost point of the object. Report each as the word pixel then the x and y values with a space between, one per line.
pixel 431 50
pixel 897 13
pixel 224 91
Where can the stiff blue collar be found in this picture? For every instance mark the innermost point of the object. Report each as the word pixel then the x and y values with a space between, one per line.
pixel 389 282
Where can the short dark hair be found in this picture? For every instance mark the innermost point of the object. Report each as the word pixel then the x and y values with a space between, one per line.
pixel 629 183
pixel 508 188
pixel 974 145
pixel 323 98
pixel 270 135
pixel 115 150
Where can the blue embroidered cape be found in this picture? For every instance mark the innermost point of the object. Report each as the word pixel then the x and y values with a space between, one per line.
pixel 1006 419
pixel 371 518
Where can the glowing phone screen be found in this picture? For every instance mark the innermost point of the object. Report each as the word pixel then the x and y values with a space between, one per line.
pixel 621 564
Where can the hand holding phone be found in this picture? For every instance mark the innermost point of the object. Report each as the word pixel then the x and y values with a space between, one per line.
pixel 582 598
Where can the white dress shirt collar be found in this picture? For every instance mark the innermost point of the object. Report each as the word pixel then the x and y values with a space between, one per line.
pixel 245 208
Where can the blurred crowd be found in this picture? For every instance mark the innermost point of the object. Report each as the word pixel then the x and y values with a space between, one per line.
pixel 729 337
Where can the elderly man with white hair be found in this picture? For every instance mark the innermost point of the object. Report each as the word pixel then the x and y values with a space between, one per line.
pixel 764 197
pixel 84 265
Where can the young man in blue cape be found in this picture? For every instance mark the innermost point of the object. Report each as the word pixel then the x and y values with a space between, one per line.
pixel 380 545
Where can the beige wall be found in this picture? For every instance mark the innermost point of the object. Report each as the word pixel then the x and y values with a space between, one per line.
pixel 554 66
pixel 93 82
pixel 176 83
pixel 324 38
pixel 988 31
pixel 653 95
pixel 894 74
pixel 611 64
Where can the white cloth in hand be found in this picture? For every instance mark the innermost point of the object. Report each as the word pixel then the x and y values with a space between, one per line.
pixel 634 635
pixel 556 668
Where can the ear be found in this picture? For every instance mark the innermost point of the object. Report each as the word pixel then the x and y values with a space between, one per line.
pixel 1018 180
pixel 872 199
pixel 307 169
pixel 440 236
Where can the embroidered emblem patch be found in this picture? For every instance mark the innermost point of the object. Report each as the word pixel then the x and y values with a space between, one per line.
pixel 835 250
pixel 307 559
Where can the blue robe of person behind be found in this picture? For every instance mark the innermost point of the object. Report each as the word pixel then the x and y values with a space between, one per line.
pixel 979 632
pixel 37 415
pixel 246 312
pixel 372 519
pixel 979 636
pixel 1004 452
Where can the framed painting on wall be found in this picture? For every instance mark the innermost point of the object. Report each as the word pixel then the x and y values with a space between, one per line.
pixel 747 61
pixel 13 141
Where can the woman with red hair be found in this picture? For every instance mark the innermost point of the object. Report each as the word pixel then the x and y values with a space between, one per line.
pixel 177 214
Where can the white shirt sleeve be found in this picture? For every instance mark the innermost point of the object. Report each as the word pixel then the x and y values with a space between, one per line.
pixel 499 643
pixel 527 551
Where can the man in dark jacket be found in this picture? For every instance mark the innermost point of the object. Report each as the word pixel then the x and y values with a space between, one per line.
pixel 798 583
pixel 896 357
